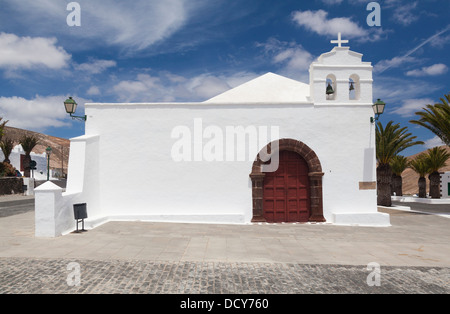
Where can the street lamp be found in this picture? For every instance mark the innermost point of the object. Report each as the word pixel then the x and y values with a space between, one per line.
pixel 71 107
pixel 48 150
pixel 378 109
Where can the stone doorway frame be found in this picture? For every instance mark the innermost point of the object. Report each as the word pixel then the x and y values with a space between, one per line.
pixel 315 178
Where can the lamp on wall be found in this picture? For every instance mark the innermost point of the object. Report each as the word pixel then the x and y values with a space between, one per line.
pixel 378 109
pixel 71 107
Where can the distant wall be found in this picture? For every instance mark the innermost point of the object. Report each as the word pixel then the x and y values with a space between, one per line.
pixel 10 186
pixel 445 184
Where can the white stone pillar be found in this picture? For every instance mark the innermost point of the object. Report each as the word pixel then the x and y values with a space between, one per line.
pixel 29 182
pixel 48 203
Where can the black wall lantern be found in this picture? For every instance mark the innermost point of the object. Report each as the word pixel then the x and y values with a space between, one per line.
pixel 378 109
pixel 71 107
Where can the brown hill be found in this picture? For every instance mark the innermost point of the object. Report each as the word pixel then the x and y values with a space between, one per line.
pixel 410 177
pixel 60 146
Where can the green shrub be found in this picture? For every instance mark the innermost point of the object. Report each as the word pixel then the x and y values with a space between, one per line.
pixel 7 170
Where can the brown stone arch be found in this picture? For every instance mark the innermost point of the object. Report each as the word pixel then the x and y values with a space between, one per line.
pixel 315 178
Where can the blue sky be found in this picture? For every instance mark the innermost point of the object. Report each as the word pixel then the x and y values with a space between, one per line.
pixel 192 50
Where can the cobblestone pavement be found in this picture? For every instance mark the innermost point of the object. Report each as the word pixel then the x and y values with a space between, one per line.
pixel 47 276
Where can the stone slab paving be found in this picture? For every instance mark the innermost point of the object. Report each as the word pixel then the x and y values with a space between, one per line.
pixel 48 276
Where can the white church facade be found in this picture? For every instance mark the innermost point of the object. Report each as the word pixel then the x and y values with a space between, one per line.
pixel 270 150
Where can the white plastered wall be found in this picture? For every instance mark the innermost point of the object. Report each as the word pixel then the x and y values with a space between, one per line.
pixel 138 178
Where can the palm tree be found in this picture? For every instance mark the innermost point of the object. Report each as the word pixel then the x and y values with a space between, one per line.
pixel 28 143
pixel 2 127
pixel 435 159
pixel 420 166
pixel 6 145
pixel 436 118
pixel 398 165
pixel 390 141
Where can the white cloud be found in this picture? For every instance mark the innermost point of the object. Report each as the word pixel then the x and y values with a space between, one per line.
pixel 440 41
pixel 318 22
pixel 394 90
pixel 132 26
pixel 395 62
pixel 436 69
pixel 331 2
pixel 168 87
pixel 95 66
pixel 403 14
pixel 28 52
pixel 292 57
pixel 38 113
pixel 433 142
pixel 411 106
pixel 144 86
pixel 139 25
pixel 383 65
pixel 207 86
pixel 93 91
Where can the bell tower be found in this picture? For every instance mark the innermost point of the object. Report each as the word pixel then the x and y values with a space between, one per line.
pixel 341 77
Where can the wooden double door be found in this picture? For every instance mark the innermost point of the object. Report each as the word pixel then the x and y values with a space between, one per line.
pixel 286 192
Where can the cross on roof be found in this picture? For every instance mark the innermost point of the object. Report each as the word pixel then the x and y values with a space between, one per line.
pixel 339 41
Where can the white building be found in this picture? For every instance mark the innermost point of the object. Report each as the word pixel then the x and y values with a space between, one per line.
pixel 16 160
pixel 197 162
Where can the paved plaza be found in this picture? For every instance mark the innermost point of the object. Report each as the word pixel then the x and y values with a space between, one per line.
pixel 146 257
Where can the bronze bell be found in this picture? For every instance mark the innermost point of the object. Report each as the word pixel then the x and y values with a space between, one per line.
pixel 330 89
pixel 351 86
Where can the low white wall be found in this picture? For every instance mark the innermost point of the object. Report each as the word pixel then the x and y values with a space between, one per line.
pixel 414 199
pixel 53 211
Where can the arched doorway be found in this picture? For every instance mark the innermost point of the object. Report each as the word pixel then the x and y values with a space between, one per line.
pixel 305 156
pixel 286 196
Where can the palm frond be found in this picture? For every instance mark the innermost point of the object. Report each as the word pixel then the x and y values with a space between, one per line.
pixel 419 165
pixel 436 118
pixel 436 159
pixel 391 140
pixel 28 142
pixel 399 164
pixel 7 145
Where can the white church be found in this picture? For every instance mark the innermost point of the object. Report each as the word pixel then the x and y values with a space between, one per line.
pixel 271 150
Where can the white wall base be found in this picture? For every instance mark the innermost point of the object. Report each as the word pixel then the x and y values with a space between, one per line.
pixel 412 199
pixel 362 219
pixel 94 222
